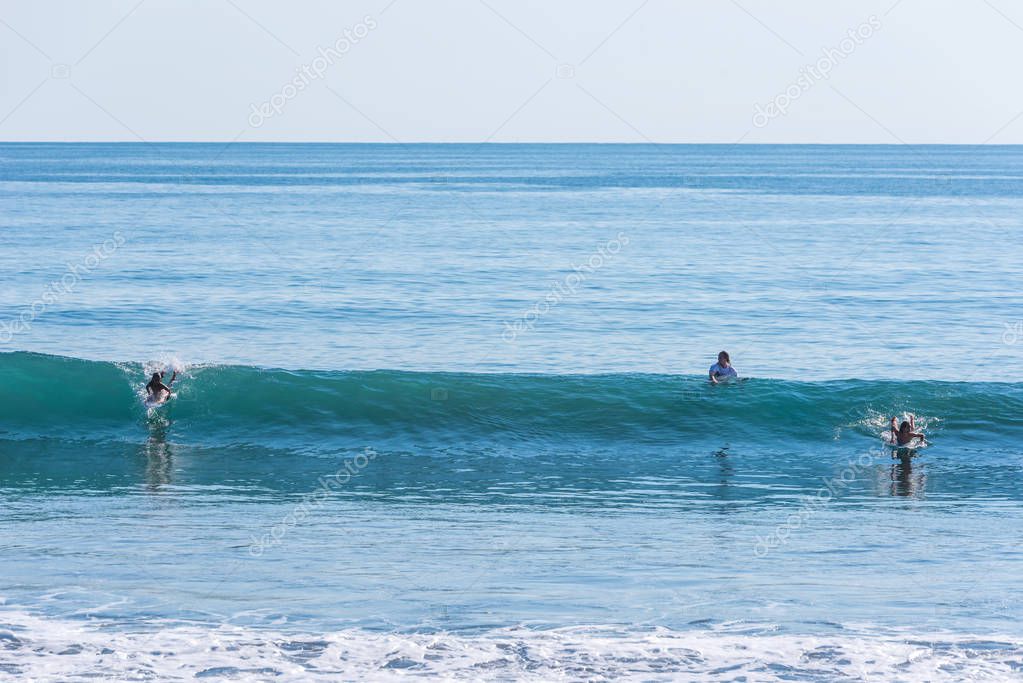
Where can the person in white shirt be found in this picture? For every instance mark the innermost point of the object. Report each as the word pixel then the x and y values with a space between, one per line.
pixel 722 370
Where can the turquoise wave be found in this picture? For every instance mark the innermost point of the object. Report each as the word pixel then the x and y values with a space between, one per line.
pixel 44 395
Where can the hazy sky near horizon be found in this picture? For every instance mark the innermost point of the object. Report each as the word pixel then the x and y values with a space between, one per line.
pixel 851 71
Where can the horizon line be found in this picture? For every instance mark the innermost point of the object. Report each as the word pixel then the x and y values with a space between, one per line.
pixel 500 143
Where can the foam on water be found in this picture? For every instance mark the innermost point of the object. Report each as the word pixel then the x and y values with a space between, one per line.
pixel 33 647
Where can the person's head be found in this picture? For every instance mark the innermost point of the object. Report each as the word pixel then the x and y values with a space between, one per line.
pixel 905 427
pixel 157 376
pixel 723 359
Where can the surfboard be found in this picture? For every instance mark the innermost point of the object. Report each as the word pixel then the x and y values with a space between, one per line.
pixel 889 441
pixel 157 401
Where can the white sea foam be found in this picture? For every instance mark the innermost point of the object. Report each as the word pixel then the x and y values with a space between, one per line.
pixel 41 648
pixel 165 364
pixel 876 422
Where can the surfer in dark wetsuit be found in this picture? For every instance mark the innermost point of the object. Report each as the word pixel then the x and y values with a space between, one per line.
pixel 156 388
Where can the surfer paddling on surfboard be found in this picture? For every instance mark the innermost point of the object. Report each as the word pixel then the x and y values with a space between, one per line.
pixel 904 434
pixel 156 390
pixel 722 371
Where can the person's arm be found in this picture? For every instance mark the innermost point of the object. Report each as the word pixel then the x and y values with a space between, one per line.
pixel 713 379
pixel 895 429
pixel 174 376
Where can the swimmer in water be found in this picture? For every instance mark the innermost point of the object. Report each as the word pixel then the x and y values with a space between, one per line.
pixel 904 434
pixel 723 369
pixel 156 390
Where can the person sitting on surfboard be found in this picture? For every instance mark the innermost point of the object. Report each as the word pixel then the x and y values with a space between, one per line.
pixel 723 369
pixel 156 388
pixel 904 434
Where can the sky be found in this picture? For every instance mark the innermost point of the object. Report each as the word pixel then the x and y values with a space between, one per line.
pixel 666 71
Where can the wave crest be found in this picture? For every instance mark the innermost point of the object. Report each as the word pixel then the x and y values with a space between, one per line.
pixel 50 395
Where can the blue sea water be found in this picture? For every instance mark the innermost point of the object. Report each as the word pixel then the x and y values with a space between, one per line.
pixel 442 410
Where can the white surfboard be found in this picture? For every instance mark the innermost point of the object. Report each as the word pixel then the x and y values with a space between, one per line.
pixel 889 440
pixel 157 401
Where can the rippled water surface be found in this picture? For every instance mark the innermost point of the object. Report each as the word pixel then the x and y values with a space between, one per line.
pixel 442 409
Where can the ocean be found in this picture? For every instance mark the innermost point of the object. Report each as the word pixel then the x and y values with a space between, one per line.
pixel 442 410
